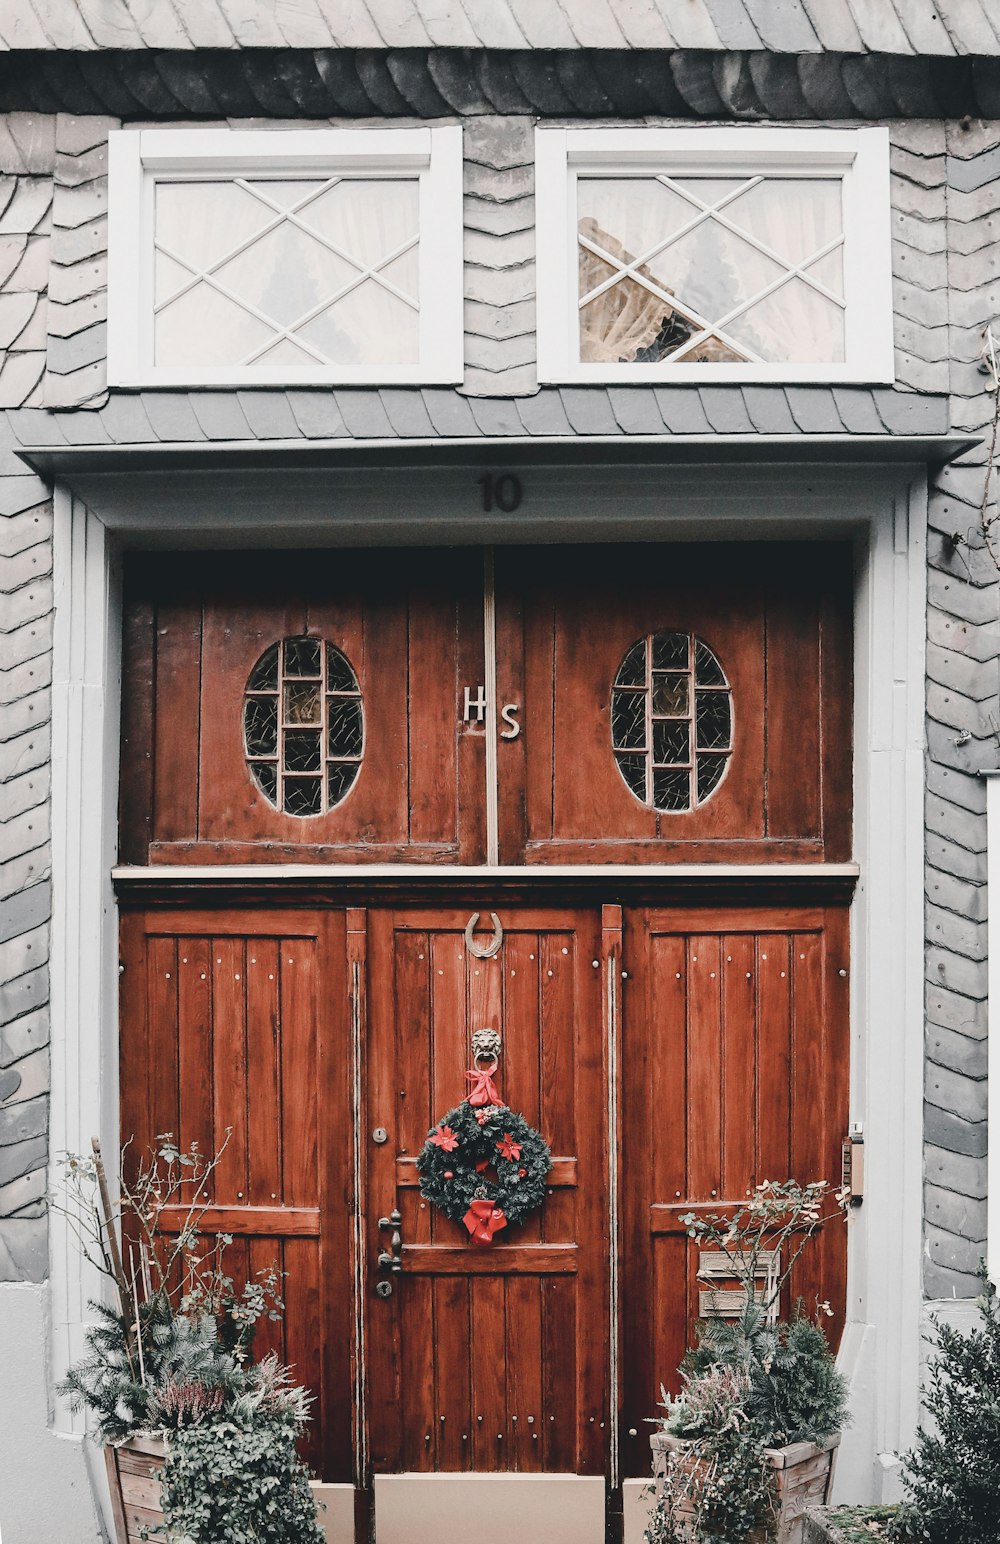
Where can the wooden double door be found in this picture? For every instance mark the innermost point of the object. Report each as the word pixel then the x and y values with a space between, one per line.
pixel 672 1054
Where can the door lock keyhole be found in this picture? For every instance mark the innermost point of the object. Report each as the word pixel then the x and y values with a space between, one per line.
pixel 383 1288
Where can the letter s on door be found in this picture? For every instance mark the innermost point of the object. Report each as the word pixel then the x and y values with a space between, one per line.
pixel 508 714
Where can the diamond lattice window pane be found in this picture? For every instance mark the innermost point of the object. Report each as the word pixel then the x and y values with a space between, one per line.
pixel 202 222
pixel 286 274
pixel 297 272
pixel 796 322
pixel 706 270
pixel 203 327
pixel 370 325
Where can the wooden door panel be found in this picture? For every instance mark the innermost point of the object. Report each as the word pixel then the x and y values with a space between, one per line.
pixel 232 1038
pixel 411 626
pixel 736 1058
pixel 483 1358
pixel 778 618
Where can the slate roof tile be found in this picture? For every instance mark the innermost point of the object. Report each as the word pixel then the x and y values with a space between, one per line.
pixel 124 418
pixel 681 409
pixel 219 415
pixel 364 415
pixel 814 409
pixel 725 410
pixel 449 412
pixel 907 412
pixel 317 414
pixel 768 409
pixel 589 410
pixel 496 416
pixel 544 413
pixel 407 413
pixel 857 410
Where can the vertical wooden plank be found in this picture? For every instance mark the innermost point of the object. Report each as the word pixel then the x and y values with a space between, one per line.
pixel 334 1116
pixel 511 753
pixel 560 1403
pixel 539 711
pixel 305 1329
pixel 298 1007
pixel 177 721
pixel 135 983
pixel 524 1373
pixel 836 1078
pixel 774 1056
pixel 593 1368
pixel 792 785
pixel 837 709
pixel 195 1058
pixel 263 1067
pixel 489 1373
pixel 471 754
pixel 449 1050
pixel 611 1006
pixel 384 1392
pixel 456 1344
pixel 161 1050
pixel 808 1115
pixel 432 693
pixel 519 1062
pixel 135 797
pixel 264 1255
pixel 230 1075
pixel 739 995
pixel 704 1068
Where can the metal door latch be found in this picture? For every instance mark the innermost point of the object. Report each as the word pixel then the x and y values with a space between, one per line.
pixel 392 1259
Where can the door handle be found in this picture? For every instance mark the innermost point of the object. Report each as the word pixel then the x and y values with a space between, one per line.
pixel 392 1259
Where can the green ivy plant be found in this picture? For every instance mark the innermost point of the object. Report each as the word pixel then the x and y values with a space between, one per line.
pixel 952 1476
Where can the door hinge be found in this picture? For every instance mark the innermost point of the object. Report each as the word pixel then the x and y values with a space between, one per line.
pixel 853 1164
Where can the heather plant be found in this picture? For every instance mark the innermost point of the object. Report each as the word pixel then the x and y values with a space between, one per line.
pixel 952 1475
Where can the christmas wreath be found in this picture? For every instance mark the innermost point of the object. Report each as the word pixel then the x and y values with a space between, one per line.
pixel 483 1165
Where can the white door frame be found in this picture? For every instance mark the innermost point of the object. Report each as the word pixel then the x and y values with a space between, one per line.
pixel 882 507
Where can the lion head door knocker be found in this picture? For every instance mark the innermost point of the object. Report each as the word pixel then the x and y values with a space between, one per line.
pixel 482 1164
pixel 484 951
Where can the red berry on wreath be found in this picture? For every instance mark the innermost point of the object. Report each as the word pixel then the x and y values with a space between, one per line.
pixel 449 1173
pixel 522 1173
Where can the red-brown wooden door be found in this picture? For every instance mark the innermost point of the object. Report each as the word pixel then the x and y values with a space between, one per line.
pixel 736 1048
pixel 234 1037
pixel 488 1359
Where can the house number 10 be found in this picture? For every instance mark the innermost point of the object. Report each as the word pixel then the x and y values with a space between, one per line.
pixel 503 492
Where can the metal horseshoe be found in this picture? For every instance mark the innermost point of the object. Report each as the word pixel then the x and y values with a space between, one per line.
pixel 487 951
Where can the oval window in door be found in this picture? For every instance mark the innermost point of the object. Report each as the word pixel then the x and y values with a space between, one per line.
pixel 303 726
pixel 671 721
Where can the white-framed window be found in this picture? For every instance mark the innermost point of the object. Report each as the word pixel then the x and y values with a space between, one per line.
pixel 256 257
pixel 713 254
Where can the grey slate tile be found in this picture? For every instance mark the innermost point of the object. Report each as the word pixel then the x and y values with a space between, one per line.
pixel 219 415
pixel 124 417
pixel 857 410
pixel 782 24
pixel 814 409
pixel 364 415
pixel 635 409
pixel 449 412
pixel 88 347
pixel 724 409
pixel 24 1249
pixel 28 909
pixel 496 416
pixel 544 413
pixel 30 426
pixel 733 24
pixel 589 410
pixel 21 1122
pixel 954 1134
pixel 909 412
pixel 172 417
pixel 268 414
pixel 407 413
pixel 969 176
pixel 83 426
pixel 681 409
pixel 317 414
pixel 768 409
pixel 22 1158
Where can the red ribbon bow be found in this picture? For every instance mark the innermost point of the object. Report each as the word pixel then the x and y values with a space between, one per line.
pixel 484 1090
pixel 483 1219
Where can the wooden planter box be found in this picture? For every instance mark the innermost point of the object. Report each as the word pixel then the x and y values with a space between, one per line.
pixel 803 1477
pixel 135 1494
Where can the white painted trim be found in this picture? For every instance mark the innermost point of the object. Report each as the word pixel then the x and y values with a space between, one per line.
pixel 135 159
pixel 993 1031
pixel 124 874
pixel 862 155
pixel 84 953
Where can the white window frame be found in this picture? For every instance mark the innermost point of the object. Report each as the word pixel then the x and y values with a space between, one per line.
pixel 138 158
pixel 862 155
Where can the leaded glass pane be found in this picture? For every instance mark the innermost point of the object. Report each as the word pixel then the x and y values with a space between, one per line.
pixel 632 670
pixel 671 741
pixel 671 694
pixel 711 770
pixel 303 712
pixel 303 796
pixel 628 720
pixel 670 651
pixel 345 727
pixel 714 726
pixel 260 725
pixel 302 702
pixel 302 656
pixel 264 675
pixel 671 790
pixel 671 736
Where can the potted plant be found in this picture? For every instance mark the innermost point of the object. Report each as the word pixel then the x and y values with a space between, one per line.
pixel 200 1441
pixel 749 1442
